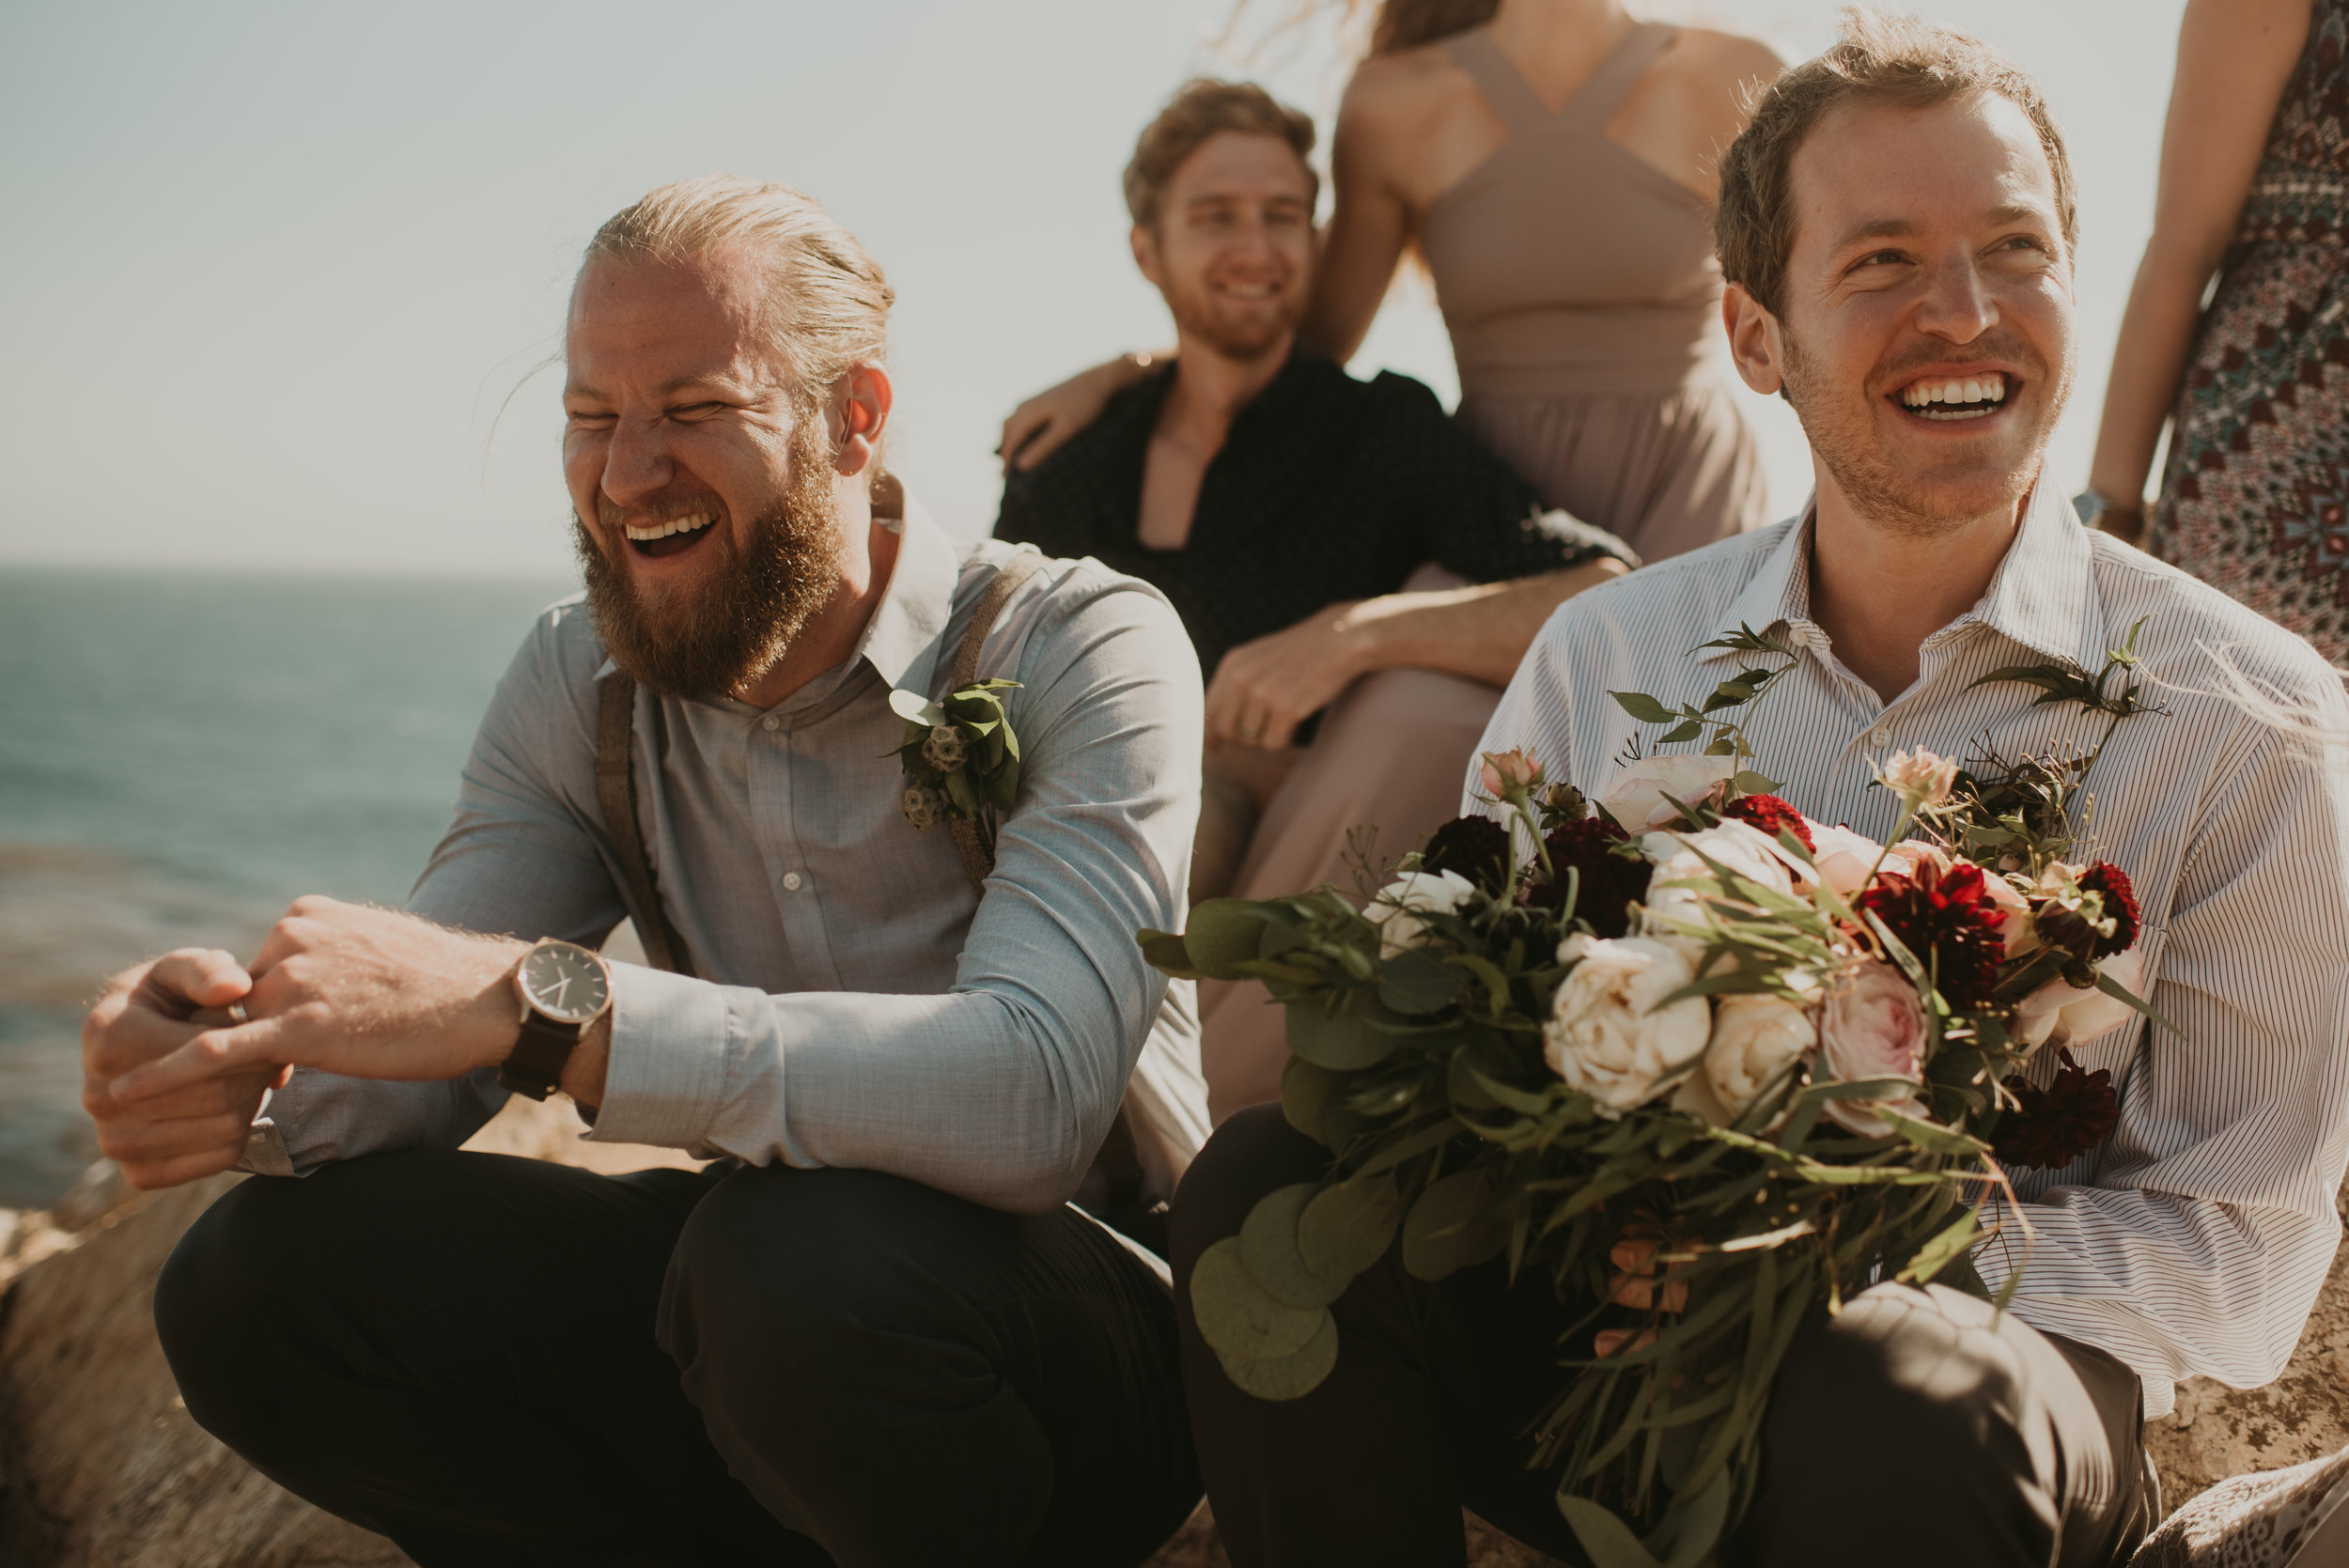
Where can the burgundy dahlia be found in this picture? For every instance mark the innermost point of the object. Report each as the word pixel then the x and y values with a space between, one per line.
pixel 1477 848
pixel 1946 919
pixel 1609 882
pixel 2053 1126
pixel 2111 884
pixel 1771 813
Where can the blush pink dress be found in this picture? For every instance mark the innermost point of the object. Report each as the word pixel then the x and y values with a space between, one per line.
pixel 1579 287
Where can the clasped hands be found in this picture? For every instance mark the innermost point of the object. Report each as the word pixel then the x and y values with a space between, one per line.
pixel 173 1080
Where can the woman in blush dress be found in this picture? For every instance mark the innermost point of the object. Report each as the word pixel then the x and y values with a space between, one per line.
pixel 2255 191
pixel 1552 160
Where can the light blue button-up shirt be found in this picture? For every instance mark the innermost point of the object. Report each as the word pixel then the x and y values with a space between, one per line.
pixel 863 1005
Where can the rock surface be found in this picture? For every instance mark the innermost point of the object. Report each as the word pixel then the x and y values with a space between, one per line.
pixel 2219 1432
pixel 101 1467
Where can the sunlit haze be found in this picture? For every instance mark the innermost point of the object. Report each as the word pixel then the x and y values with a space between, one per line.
pixel 284 280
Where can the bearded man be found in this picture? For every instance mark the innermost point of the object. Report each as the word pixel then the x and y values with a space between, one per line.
pixel 874 1330
pixel 1897 227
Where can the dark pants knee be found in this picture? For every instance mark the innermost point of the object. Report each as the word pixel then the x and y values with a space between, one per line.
pixel 219 1311
pixel 845 1332
pixel 1914 1404
pixel 1253 1153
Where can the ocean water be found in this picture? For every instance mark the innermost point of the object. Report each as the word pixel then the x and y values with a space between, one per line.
pixel 180 756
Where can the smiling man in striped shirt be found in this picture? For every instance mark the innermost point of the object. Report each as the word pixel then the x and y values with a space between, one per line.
pixel 1897 230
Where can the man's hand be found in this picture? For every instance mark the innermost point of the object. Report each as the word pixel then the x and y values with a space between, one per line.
pixel 344 988
pixel 149 1012
pixel 1264 688
pixel 1634 1286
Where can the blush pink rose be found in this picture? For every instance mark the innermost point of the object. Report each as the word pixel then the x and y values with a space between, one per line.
pixel 1637 797
pixel 1874 1027
pixel 1844 857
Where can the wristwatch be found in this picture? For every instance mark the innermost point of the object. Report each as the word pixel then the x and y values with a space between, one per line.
pixel 564 987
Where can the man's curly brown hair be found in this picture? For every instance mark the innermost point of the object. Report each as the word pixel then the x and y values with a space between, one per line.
pixel 1876 59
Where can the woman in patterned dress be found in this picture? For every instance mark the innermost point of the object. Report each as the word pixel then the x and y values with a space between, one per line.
pixel 2255 187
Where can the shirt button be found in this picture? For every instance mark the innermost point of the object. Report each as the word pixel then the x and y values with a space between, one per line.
pixel 1883 735
pixel 791 881
pixel 770 723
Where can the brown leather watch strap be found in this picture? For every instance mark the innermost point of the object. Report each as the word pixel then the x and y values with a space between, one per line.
pixel 534 1066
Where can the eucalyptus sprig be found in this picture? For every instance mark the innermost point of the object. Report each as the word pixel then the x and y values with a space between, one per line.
pixel 1691 721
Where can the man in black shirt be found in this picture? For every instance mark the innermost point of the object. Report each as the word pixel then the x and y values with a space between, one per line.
pixel 1327 541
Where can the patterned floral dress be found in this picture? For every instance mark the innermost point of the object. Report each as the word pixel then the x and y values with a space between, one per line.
pixel 2255 497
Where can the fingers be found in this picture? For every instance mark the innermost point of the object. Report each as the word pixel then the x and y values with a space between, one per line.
pixel 1025 422
pixel 173 1169
pixel 1617 1341
pixel 194 977
pixel 128 1143
pixel 209 1054
pixel 232 1094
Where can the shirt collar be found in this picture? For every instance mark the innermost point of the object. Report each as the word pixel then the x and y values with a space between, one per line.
pixel 901 640
pixel 2042 595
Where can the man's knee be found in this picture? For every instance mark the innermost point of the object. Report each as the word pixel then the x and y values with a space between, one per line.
pixel 792 1295
pixel 1924 1367
pixel 218 1302
pixel 1254 1152
pixel 1905 1401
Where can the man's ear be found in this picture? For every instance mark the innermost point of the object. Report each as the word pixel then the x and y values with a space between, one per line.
pixel 1145 241
pixel 1756 342
pixel 858 415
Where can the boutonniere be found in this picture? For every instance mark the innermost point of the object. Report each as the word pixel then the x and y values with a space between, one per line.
pixel 960 757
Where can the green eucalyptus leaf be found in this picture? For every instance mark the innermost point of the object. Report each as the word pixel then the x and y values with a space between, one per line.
pixel 1237 1315
pixel 1223 933
pixel 1291 1376
pixel 1165 952
pixel 1343 1044
pixel 1306 1092
pixel 1942 1250
pixel 1455 1223
pixel 1411 982
pixel 1605 1539
pixel 1348 1227
pixel 1643 708
pixel 1267 1244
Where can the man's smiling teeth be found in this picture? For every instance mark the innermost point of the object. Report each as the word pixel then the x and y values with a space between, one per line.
pixel 677 525
pixel 1990 390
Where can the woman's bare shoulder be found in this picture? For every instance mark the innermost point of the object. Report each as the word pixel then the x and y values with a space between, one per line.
pixel 1403 89
pixel 1723 61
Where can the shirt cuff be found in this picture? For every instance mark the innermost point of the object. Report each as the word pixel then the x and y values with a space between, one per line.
pixel 671 1039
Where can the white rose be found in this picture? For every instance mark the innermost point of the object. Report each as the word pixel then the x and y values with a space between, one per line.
pixel 1743 849
pixel 1636 799
pixel 1396 909
pixel 2068 1015
pixel 1606 1037
pixel 1754 1037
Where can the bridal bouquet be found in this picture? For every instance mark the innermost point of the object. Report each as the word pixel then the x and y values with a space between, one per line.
pixel 1698 1058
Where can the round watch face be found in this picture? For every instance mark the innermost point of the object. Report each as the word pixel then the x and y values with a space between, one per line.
pixel 564 982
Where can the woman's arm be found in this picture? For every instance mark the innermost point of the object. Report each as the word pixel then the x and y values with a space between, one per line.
pixel 1370 219
pixel 2233 59
pixel 1039 427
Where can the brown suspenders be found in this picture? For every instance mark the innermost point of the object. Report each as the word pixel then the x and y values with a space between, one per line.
pixel 615 777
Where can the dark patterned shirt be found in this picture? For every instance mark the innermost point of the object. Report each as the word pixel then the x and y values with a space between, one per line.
pixel 1327 490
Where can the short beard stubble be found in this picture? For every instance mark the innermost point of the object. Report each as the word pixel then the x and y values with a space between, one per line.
pixel 1903 502
pixel 712 637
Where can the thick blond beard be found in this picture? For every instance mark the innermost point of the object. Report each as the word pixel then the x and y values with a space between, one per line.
pixel 1888 497
pixel 737 627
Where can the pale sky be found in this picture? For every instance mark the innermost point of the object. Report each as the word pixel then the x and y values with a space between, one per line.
pixel 275 269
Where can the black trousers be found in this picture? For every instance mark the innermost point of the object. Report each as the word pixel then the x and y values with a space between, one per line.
pixel 500 1361
pixel 1914 1427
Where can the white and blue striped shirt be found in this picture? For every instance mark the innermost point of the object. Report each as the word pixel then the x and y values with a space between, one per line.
pixel 2194 1241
